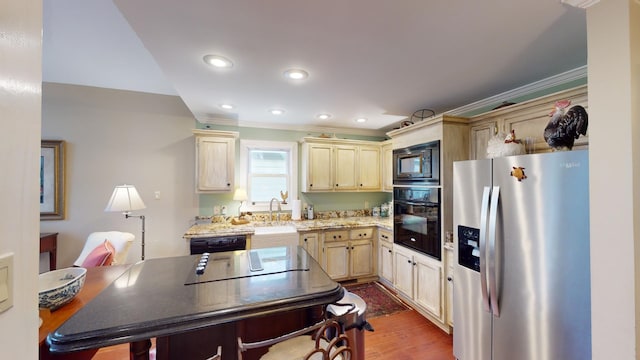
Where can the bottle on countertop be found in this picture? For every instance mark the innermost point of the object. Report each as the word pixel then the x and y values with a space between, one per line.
pixel 310 212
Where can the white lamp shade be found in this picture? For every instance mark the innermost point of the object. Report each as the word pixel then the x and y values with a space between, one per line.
pixel 125 198
pixel 240 195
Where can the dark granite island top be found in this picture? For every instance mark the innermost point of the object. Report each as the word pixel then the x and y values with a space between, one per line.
pixel 161 297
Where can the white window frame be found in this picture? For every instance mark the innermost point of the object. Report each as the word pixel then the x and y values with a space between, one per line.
pixel 292 147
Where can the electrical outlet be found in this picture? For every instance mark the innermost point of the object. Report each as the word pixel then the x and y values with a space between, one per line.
pixel 157 194
pixel 366 204
pixel 216 210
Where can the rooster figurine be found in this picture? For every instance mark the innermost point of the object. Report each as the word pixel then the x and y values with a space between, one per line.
pixel 563 129
pixel 284 196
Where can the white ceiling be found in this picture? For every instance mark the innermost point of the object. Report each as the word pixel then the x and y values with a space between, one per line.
pixel 377 59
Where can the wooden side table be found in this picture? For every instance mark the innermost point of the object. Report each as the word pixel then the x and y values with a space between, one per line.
pixel 49 243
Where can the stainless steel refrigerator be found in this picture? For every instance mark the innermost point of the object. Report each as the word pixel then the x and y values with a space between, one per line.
pixel 521 275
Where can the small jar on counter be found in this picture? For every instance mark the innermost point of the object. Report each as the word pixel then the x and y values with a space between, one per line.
pixel 384 210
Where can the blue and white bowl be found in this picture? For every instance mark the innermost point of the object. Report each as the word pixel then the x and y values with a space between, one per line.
pixel 58 287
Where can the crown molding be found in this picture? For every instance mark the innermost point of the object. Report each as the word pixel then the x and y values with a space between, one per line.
pixel 583 4
pixel 562 78
pixel 290 127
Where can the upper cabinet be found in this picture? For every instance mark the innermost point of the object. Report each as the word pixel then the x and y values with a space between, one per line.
pixel 215 160
pixel 340 165
pixel 527 119
pixel 387 166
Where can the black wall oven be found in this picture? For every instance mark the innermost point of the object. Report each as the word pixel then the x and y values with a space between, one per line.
pixel 416 219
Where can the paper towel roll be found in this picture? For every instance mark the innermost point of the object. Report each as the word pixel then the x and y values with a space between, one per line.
pixel 296 209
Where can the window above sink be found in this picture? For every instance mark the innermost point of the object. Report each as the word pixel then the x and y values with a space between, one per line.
pixel 267 170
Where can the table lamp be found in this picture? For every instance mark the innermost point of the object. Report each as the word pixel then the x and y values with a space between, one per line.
pixel 240 195
pixel 125 198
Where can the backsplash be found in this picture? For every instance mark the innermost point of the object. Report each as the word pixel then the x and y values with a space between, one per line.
pixel 286 216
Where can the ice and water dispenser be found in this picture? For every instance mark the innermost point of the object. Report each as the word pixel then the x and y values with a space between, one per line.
pixel 469 247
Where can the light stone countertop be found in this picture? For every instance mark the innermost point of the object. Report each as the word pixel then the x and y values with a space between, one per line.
pixel 226 228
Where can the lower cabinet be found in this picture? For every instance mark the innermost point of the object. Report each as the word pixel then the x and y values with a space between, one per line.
pixel 348 254
pixel 449 261
pixel 385 256
pixel 310 242
pixel 419 278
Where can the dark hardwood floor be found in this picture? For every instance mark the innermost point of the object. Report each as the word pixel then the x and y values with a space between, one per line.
pixel 404 335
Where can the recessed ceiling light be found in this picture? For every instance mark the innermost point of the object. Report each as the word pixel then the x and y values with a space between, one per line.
pixel 323 116
pixel 218 61
pixel 361 120
pixel 276 111
pixel 296 74
pixel 227 106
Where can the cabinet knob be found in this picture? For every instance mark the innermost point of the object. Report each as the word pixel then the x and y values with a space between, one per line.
pixel 310 185
pixel 409 261
pixel 305 239
pixel 449 278
pixel 389 251
pixel 228 184
pixel 337 185
pixel 414 263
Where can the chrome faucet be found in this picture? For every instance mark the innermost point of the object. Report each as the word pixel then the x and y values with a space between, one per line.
pixel 271 209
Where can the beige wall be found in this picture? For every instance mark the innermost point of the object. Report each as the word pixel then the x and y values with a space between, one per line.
pixel 20 77
pixel 115 137
pixel 614 97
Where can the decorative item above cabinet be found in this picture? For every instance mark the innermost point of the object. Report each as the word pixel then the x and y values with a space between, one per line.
pixel 215 160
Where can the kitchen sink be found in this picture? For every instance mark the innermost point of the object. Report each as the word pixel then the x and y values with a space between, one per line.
pixel 272 236
pixel 277 229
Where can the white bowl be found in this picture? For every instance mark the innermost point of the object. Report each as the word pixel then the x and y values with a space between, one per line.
pixel 58 287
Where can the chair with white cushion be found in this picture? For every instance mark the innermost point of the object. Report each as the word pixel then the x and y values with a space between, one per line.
pixel 327 342
pixel 105 248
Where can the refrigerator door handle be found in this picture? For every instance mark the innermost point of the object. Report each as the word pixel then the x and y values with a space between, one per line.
pixel 493 221
pixel 483 237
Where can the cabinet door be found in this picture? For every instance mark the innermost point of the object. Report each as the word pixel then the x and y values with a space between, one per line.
pixel 480 135
pixel 369 168
pixel 361 258
pixel 449 275
pixel 387 167
pixel 403 280
pixel 336 259
pixel 427 286
pixel 215 164
pixel 385 262
pixel 345 175
pixel 320 171
pixel 309 242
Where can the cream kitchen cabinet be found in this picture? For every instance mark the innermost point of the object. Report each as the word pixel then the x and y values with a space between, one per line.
pixel 369 168
pixel 419 278
pixel 449 261
pixel 387 166
pixel 346 167
pixel 385 256
pixel 311 243
pixel 215 160
pixel 340 165
pixel 348 254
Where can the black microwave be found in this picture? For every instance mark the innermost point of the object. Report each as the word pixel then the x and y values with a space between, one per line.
pixel 418 164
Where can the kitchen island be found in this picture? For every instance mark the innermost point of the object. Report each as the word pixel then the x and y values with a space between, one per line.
pixel 165 298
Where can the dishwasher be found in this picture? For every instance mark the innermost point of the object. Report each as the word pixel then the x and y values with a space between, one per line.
pixel 214 244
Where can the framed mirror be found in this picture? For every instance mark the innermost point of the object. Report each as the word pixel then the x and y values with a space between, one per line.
pixel 52 180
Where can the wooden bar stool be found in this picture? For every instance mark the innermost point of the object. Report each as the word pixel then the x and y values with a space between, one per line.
pixel 328 342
